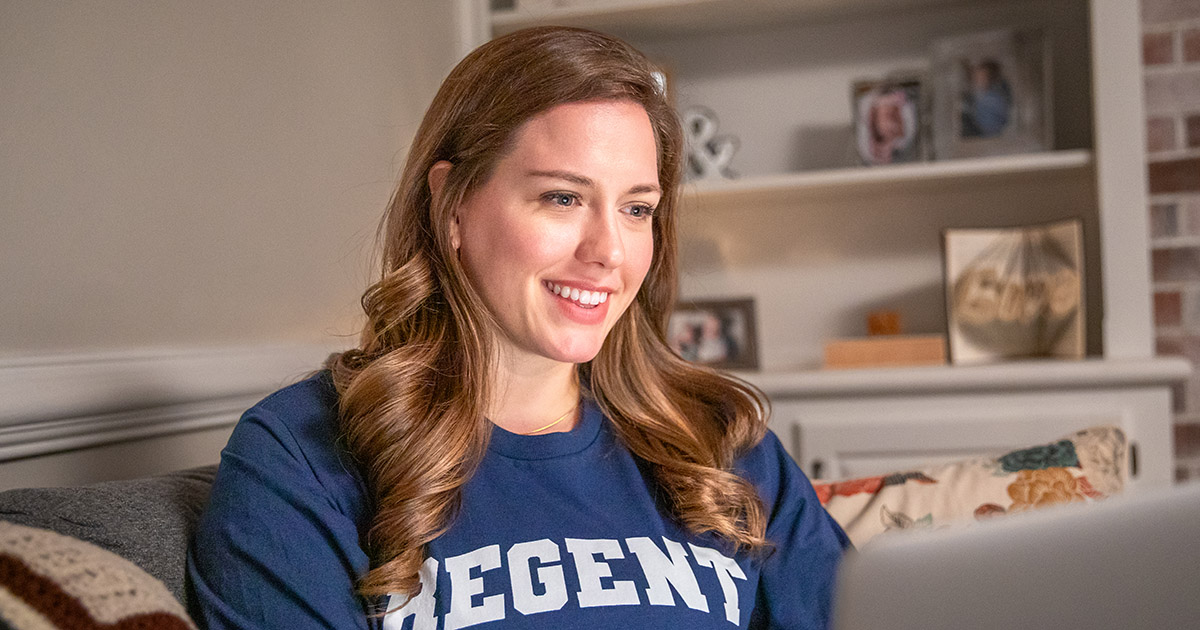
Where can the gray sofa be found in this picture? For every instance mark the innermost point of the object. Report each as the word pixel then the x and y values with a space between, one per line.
pixel 147 521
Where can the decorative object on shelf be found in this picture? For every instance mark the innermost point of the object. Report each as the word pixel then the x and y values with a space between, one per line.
pixel 884 322
pixel 1015 292
pixel 664 77
pixel 885 346
pixel 991 94
pixel 718 333
pixel 885 351
pixel 708 154
pixel 888 120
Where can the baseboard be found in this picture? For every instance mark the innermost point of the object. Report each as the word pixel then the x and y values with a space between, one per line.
pixel 53 403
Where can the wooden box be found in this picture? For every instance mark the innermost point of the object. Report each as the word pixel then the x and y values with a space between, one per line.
pixel 885 351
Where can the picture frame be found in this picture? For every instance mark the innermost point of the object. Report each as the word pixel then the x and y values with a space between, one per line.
pixel 1015 293
pixel 889 120
pixel 991 94
pixel 717 333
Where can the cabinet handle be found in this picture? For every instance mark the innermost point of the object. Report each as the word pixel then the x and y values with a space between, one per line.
pixel 818 467
pixel 1133 459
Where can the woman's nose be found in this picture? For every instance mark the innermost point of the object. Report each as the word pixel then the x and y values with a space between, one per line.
pixel 601 241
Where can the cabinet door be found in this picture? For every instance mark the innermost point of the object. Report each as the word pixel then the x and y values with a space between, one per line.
pixel 854 437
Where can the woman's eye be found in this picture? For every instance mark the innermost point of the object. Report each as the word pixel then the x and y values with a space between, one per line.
pixel 640 211
pixel 561 199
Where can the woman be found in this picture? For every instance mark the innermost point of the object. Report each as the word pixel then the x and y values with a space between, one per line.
pixel 513 442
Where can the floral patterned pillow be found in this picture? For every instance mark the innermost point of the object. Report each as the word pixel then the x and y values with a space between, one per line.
pixel 1085 466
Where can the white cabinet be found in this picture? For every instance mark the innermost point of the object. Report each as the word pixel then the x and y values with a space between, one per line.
pixel 819 242
pixel 842 424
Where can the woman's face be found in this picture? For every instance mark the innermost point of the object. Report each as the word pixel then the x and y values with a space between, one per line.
pixel 559 238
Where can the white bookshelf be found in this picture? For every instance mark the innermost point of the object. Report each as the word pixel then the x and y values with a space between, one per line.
pixel 819 242
pixel 803 220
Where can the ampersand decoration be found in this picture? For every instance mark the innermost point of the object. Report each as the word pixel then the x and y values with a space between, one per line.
pixel 708 155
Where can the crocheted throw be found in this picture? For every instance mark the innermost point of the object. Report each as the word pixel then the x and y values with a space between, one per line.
pixel 50 581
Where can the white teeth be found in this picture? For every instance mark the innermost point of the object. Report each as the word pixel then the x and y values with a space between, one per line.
pixel 591 298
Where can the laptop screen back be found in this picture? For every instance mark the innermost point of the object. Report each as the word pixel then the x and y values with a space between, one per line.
pixel 1129 562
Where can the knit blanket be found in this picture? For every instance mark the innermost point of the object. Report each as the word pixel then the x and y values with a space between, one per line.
pixel 49 581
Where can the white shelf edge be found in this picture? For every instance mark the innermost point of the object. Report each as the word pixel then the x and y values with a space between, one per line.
pixel 1161 332
pixel 1174 242
pixel 897 174
pixel 1017 375
pixel 684 16
pixel 1173 285
pixel 512 19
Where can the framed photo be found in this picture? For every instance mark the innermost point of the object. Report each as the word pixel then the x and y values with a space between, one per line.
pixel 991 94
pixel 1015 292
pixel 717 333
pixel 888 120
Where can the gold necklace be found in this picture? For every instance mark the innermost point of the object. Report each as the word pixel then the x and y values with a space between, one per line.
pixel 560 419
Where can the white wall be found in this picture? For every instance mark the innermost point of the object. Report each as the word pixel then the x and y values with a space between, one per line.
pixel 183 173
pixel 189 175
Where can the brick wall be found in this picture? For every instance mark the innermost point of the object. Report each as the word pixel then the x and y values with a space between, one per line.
pixel 1171 58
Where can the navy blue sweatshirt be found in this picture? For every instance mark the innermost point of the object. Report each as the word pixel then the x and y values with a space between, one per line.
pixel 556 531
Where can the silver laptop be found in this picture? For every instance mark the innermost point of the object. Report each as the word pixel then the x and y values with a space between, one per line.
pixel 1125 563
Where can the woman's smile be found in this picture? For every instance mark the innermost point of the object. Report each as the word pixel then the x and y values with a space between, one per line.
pixel 584 298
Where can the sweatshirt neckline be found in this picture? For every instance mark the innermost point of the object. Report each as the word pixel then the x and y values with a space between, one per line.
pixel 550 445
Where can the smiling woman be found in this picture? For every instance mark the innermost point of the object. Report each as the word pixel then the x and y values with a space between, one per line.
pixel 513 428
pixel 569 206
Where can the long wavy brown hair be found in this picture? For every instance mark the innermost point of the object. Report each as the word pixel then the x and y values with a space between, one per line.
pixel 413 394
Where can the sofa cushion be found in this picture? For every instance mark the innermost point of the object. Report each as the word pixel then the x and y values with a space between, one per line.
pixel 1085 466
pixel 148 521
pixel 50 581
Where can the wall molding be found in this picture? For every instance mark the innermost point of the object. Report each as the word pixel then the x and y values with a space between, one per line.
pixel 58 402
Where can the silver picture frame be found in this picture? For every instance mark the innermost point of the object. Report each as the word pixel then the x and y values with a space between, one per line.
pixel 991 94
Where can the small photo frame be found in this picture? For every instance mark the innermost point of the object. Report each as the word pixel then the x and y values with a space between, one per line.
pixel 991 94
pixel 1015 293
pixel 716 333
pixel 889 120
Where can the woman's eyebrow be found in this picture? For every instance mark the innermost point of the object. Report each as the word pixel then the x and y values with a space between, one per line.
pixel 645 188
pixel 564 175
pixel 581 180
